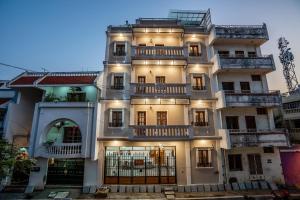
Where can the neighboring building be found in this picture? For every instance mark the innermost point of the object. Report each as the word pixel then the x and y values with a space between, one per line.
pixel 60 110
pixel 187 102
pixel 7 96
pixel 291 120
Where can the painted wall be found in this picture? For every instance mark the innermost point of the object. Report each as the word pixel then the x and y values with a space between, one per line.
pixel 271 165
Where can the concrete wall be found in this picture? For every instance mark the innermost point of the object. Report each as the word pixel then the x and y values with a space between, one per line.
pixel 19 116
pixel 271 165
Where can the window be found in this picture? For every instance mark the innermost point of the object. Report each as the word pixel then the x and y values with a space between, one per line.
pixel 141 118
pixel 160 79
pixel 72 135
pixel 162 118
pixel 116 119
pixel 120 50
pixel 228 87
pixel 235 162
pixel 245 87
pixel 239 54
pixel 251 54
pixel 198 83
pixel 142 45
pixel 200 118
pixel 268 149
pixel 194 50
pixel 118 82
pixel 250 123
pixel 261 111
pixel 232 122
pixel 203 157
pixel 223 54
pixel 255 77
pixel 255 166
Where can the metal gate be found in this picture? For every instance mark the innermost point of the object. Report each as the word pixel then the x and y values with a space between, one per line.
pixel 65 171
pixel 140 167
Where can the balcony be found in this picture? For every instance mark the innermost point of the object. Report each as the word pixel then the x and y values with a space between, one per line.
pixel 263 64
pixel 244 99
pixel 159 90
pixel 252 34
pixel 156 132
pixel 253 138
pixel 64 150
pixel 158 52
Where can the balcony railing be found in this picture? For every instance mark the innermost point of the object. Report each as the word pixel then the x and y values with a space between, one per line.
pixel 168 131
pixel 239 98
pixel 158 52
pixel 254 137
pixel 159 89
pixel 64 149
pixel 241 32
pixel 224 63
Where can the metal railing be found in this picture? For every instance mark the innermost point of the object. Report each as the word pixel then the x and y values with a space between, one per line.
pixel 161 131
pixel 158 89
pixel 242 31
pixel 64 149
pixel 158 52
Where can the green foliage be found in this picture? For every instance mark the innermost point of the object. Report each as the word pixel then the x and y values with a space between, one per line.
pixel 12 158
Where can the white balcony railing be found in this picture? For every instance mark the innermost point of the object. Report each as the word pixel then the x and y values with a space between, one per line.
pixel 157 52
pixel 64 149
pixel 167 131
pixel 160 89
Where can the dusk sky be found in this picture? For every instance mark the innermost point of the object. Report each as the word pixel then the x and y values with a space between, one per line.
pixel 69 35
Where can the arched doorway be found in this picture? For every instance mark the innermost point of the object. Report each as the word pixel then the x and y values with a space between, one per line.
pixel 64 168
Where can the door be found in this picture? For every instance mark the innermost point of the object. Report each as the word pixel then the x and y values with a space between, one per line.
pixel 250 123
pixel 141 121
pixel 65 171
pixel 160 87
pixel 141 88
pixel 162 118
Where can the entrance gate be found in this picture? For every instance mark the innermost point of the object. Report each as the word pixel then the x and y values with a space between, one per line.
pixel 140 165
pixel 65 171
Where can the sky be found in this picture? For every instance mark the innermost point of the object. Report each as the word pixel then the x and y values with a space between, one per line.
pixel 69 35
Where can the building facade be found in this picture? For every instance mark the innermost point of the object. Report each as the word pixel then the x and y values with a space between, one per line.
pixel 186 102
pixel 179 101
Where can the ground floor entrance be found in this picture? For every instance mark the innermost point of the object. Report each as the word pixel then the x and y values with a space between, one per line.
pixel 140 165
pixel 65 171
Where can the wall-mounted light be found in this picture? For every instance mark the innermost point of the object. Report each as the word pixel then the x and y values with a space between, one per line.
pixel 121 34
pixel 193 36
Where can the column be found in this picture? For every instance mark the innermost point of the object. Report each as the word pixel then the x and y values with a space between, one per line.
pixel 187 147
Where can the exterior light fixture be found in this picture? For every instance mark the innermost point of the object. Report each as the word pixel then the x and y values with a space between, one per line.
pixel 193 36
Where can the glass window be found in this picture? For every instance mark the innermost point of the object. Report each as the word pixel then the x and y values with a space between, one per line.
pixel 203 157
pixel 223 54
pixel 235 162
pixel 162 118
pixel 118 82
pixel 239 54
pixel 200 118
pixel 198 83
pixel 256 77
pixel 194 50
pixel 228 87
pixel 255 166
pixel 261 111
pixel 245 87
pixel 116 119
pixel 120 50
pixel 251 54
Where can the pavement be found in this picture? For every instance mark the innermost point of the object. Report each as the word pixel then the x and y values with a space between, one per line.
pixel 76 194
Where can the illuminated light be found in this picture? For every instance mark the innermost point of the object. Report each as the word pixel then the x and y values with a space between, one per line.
pixel 115 143
pixel 146 31
pixel 172 63
pixel 118 65
pixel 121 34
pixel 145 62
pixel 203 142
pixel 193 36
pixel 158 62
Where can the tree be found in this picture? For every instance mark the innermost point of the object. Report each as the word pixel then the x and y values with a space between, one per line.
pixel 14 160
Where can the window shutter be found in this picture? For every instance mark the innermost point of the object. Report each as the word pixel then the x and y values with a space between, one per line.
pixel 110 116
pixel 125 47
pixel 112 79
pixel 199 48
pixel 123 116
pixel 115 47
pixel 124 77
pixel 209 155
pixel 197 157
pixel 206 115
pixel 203 79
